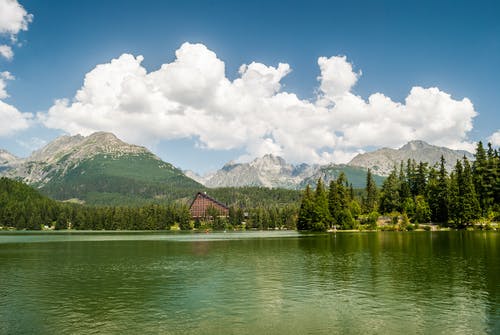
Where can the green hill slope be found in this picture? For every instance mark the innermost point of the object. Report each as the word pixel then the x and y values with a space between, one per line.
pixel 129 179
pixel 22 207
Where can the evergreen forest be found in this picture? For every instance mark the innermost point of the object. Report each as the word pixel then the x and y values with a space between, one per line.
pixel 414 193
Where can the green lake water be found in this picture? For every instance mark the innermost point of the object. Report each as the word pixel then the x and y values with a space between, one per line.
pixel 250 283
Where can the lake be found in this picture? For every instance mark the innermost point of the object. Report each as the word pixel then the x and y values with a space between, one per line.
pixel 250 283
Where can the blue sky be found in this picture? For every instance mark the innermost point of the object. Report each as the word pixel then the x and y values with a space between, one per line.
pixel 396 45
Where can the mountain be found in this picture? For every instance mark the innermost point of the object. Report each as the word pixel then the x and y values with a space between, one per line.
pixel 355 175
pixel 382 161
pixel 274 172
pixel 102 169
pixel 7 160
pixel 268 171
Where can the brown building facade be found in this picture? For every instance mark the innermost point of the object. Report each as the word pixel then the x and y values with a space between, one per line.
pixel 202 202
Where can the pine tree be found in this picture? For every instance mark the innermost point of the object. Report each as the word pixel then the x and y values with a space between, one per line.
pixel 321 215
pixel 339 202
pixel 333 202
pixel 455 208
pixel 480 178
pixel 411 176
pixel 441 199
pixel 343 193
pixel 306 210
pixel 469 201
pixel 404 186
pixel 389 198
pixel 420 179
pixel 371 194
pixel 351 192
pixel 494 179
pixel 432 193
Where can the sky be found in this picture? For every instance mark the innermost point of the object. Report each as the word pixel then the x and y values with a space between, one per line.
pixel 201 83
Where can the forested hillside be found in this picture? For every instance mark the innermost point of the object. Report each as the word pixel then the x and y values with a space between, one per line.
pixel 413 193
pixel 22 207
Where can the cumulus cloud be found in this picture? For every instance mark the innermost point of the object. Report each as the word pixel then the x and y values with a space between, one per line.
pixel 6 52
pixel 192 97
pixel 4 76
pixel 494 139
pixel 12 119
pixel 13 18
pixel 337 76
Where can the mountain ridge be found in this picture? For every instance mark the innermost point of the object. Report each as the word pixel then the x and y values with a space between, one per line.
pixel 383 160
pixel 100 166
pixel 273 171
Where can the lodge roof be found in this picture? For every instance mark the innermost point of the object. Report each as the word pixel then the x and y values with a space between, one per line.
pixel 204 195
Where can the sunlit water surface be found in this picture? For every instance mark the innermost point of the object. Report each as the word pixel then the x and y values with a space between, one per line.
pixel 250 283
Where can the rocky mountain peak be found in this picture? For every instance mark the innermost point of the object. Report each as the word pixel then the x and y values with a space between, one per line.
pixel 415 145
pixel 7 158
pixel 382 161
pixel 66 152
pixel 269 162
pixel 80 147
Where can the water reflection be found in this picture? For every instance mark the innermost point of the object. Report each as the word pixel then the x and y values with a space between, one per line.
pixel 439 282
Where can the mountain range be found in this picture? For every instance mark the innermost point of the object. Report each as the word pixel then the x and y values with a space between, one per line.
pixel 382 161
pixel 102 169
pixel 274 172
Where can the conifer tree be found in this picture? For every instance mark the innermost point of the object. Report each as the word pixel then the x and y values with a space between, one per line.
pixel 321 215
pixel 333 202
pixel 306 210
pixel 371 194
pixel 494 168
pixel 469 201
pixel 404 187
pixel 480 177
pixel 455 208
pixel 339 201
pixel 421 179
pixel 441 199
pixel 433 193
pixel 389 198
pixel 411 176
pixel 343 194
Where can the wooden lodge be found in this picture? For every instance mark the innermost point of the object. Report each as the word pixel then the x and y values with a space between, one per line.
pixel 202 202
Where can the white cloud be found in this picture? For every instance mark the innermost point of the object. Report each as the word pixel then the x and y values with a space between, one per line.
pixel 337 77
pixel 13 18
pixel 4 76
pixel 11 119
pixel 494 139
pixel 192 97
pixel 6 52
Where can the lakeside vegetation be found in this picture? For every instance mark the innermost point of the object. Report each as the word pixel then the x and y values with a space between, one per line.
pixel 22 207
pixel 414 193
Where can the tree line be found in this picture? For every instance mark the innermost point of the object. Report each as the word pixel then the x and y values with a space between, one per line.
pixel 254 218
pixel 413 192
pixel 22 207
